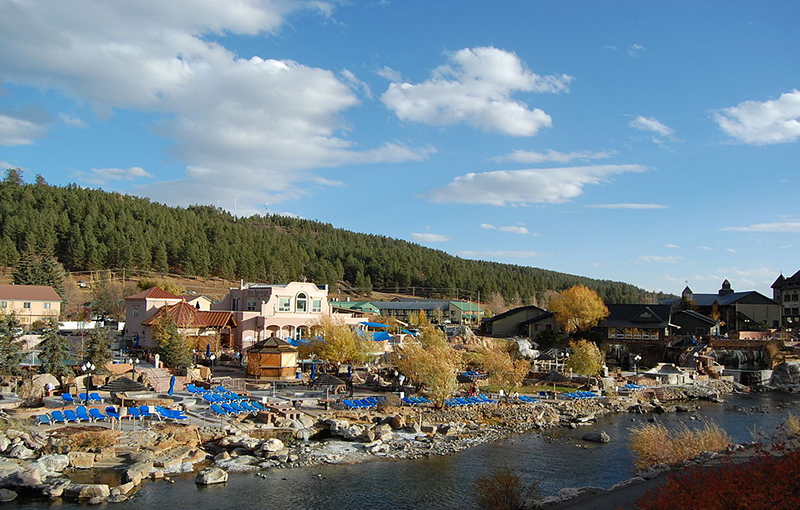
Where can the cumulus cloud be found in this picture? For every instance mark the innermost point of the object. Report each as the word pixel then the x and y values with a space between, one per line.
pixel 512 229
pixel 498 254
pixel 635 49
pixel 761 123
pixel 627 206
pixel 426 237
pixel 670 245
pixel 671 259
pixel 652 125
pixel 389 73
pixel 476 88
pixel 100 176
pixel 18 131
pixel 256 127
pixel 72 120
pixel 522 187
pixel 788 226
pixel 520 156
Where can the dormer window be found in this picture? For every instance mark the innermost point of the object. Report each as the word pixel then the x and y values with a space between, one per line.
pixel 300 304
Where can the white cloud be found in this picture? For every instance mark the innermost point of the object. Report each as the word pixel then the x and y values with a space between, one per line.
pixel 670 245
pixel 513 229
pixel 72 120
pixel 522 187
pixel 17 131
pixel 671 259
pixel 425 237
pixel 488 226
pixel 476 88
pixel 627 206
pixel 651 124
pixel 610 47
pixel 731 250
pixel 499 254
pixel 256 127
pixel 635 49
pixel 100 176
pixel 761 123
pixel 356 84
pixel 519 156
pixel 390 74
pixel 789 226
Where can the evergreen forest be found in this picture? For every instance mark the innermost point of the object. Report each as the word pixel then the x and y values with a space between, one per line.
pixel 90 229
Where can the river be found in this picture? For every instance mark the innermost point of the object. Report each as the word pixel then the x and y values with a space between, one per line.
pixel 556 458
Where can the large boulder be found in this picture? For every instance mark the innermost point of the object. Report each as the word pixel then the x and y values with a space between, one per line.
pixel 135 472
pixel 40 381
pixel 54 463
pixel 383 432
pixel 272 445
pixel 786 374
pixel 398 421
pixel 210 476
pixel 87 491
pixel 7 495
pixel 4 443
pixel 81 460
pixel 597 436
pixel 20 451
pixel 28 478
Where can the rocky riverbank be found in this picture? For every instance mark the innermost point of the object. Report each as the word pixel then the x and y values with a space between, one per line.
pixel 51 465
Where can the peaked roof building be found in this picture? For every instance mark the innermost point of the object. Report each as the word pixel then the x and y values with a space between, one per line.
pixel 786 291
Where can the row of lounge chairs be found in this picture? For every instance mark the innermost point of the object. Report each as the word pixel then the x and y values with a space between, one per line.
pixel 235 408
pixel 92 414
pixel 363 403
pixel 415 401
pixel 469 401
pixel 631 386
pixel 86 398
pixel 215 395
pixel 581 394
pixel 527 399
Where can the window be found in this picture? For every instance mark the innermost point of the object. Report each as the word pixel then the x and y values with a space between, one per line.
pixel 251 304
pixel 794 297
pixel 316 306
pixel 26 305
pixel 795 311
pixel 787 311
pixel 234 304
pixel 300 303
pixel 548 327
pixel 47 306
pixel 284 304
pixel 135 310
pixel 3 304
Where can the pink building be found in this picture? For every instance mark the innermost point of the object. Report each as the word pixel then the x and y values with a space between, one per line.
pixel 140 307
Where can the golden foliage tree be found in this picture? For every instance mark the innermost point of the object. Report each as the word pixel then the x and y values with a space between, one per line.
pixel 338 343
pixel 578 308
pixel 504 371
pixel 586 358
pixel 431 362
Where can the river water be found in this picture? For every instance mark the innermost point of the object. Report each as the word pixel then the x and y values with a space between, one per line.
pixel 556 458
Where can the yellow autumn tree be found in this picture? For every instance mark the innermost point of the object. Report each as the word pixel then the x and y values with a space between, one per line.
pixel 431 362
pixel 504 371
pixel 337 343
pixel 586 358
pixel 578 308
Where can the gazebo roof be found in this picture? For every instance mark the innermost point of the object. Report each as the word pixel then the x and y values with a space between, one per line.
pixel 328 380
pixel 271 345
pixel 123 385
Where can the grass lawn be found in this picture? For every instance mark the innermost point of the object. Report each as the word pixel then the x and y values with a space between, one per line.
pixel 528 390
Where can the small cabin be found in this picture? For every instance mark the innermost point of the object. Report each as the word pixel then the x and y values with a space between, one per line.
pixel 272 358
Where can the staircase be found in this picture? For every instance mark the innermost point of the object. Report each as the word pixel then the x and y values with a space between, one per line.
pixel 158 379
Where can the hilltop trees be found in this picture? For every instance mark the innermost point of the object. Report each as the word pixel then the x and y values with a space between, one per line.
pixel 578 308
pixel 35 269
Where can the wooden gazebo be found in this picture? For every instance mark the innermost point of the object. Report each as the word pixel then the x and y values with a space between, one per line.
pixel 272 358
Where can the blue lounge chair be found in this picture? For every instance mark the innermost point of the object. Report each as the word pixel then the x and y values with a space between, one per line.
pixel 58 417
pixel 486 399
pixel 96 414
pixel 219 411
pixel 112 412
pixel 228 408
pixel 94 397
pixel 257 405
pixel 424 400
pixel 133 413
pixel 350 404
pixel 248 407
pixel 208 398
pixel 44 419
pixel 170 414
pixel 82 413
pixel 144 412
pixel 67 398
pixel 409 401
pixel 84 397
pixel 70 415
pixel 239 409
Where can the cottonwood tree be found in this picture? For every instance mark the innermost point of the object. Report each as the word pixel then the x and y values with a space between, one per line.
pixel 578 308
pixel 109 298
pixel 504 371
pixel 431 362
pixel 586 358
pixel 10 345
pixel 55 351
pixel 337 343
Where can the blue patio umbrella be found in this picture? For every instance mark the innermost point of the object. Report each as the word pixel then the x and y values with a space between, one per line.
pixel 409 332
pixel 374 325
pixel 136 340
pixel 171 385
pixel 349 370
pixel 313 370
pixel 380 336
pixel 208 350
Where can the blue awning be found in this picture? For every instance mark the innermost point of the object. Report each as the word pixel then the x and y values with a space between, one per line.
pixel 409 332
pixel 374 325
pixel 380 336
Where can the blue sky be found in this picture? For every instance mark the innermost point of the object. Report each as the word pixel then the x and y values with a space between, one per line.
pixel 653 143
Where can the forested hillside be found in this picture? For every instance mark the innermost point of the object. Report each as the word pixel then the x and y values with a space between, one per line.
pixel 91 229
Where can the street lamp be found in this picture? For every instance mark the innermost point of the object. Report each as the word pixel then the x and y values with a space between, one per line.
pixel 88 368
pixel 636 360
pixel 211 369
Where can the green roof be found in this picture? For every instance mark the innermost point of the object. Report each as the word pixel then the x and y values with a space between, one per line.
pixel 466 306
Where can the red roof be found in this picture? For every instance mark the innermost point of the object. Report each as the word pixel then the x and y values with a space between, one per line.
pixel 28 293
pixel 187 316
pixel 154 293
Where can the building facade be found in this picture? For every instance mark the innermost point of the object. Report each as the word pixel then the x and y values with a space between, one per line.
pixel 30 303
pixel 141 307
pixel 528 321
pixel 786 291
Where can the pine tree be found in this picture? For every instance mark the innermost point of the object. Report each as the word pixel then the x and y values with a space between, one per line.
pixel 34 269
pixel 10 345
pixel 55 352
pixel 172 346
pixel 98 348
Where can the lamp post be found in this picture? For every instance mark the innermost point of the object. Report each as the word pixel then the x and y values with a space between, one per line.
pixel 134 362
pixel 636 360
pixel 211 368
pixel 88 368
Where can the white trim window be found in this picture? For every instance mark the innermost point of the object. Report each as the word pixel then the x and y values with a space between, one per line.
pixel 316 306
pixel 47 306
pixel 26 305
pixel 284 304
pixel 301 303
pixel 3 304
